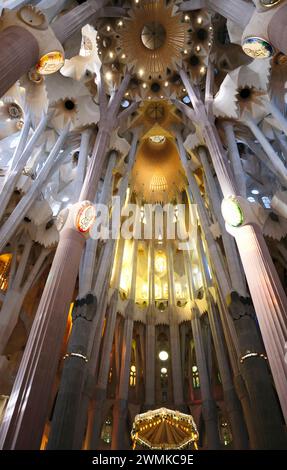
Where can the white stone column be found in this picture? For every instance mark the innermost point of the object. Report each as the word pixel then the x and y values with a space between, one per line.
pixel 233 408
pixel 176 365
pixel 29 401
pixel 233 263
pixel 265 288
pixel 150 333
pixel 82 163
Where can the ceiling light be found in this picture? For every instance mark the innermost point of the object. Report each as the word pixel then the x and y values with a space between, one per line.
pixel 111 54
pixel 108 28
pixel 199 20
pixel 141 72
pixel 255 191
pixel 166 83
pixel 186 18
pixel 163 355
pixel 120 23
pixel 144 85
pixel 108 75
pixel 163 370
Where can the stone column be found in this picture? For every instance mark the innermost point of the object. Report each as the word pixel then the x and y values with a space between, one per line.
pixel 233 263
pixel 94 425
pixel 237 11
pixel 22 47
pixel 233 408
pixel 54 304
pixel 29 401
pixel 174 332
pixel 235 159
pixel 209 411
pixel 103 376
pixel 19 52
pixel 277 30
pixel 18 165
pixel 265 287
pixel 17 292
pixel 121 403
pixel 12 223
pixel 71 385
pixel 150 334
pixel 268 23
pixel 82 163
pixel 269 301
pixel 274 158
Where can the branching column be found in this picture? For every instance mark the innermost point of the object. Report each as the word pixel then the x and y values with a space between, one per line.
pixel 29 400
pixel 265 287
pixel 209 411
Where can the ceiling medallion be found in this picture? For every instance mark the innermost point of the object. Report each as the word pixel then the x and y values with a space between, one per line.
pixel 153 35
pixel 153 38
pixel 50 63
pixel 257 48
pixel 85 217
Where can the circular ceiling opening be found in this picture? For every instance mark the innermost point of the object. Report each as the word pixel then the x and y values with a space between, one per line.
pixel 153 35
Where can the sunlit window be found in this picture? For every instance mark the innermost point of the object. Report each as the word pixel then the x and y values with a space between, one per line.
pixel 195 377
pixel 133 373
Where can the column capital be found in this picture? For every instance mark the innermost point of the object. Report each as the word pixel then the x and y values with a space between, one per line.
pixel 51 53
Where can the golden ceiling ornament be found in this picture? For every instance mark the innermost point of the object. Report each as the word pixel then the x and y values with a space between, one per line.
pixel 153 38
pixel 158 176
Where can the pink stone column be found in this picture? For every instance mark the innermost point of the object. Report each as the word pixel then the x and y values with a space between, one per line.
pixel 19 52
pixel 29 401
pixel 269 301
